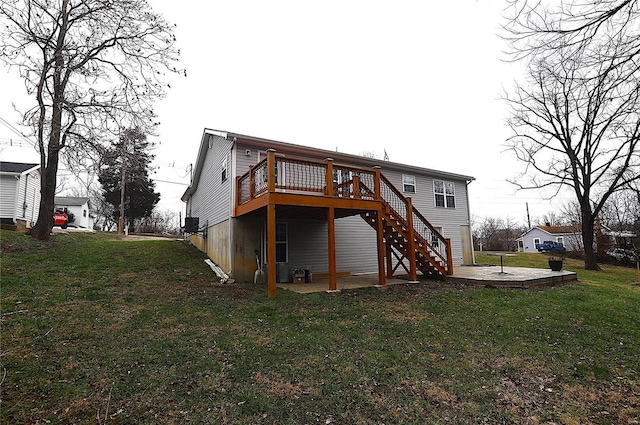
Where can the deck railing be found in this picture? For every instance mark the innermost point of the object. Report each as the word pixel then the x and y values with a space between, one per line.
pixel 294 175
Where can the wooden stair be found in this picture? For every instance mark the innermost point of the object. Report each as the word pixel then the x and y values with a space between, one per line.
pixel 432 251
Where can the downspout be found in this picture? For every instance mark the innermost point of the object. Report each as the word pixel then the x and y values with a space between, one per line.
pixel 473 252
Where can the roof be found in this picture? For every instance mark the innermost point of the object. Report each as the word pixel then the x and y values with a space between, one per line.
pixel 561 230
pixel 306 150
pixel 71 200
pixel 17 167
pixel 556 230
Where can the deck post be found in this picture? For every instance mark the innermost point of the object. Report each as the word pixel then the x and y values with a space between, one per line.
pixel 252 184
pixel 331 215
pixel 376 183
pixel 329 177
pixel 381 247
pixel 271 170
pixel 271 250
pixel 238 195
pixel 356 187
pixel 411 248
pixel 388 254
pixel 449 257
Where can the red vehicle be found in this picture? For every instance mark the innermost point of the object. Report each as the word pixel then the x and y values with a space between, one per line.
pixel 60 218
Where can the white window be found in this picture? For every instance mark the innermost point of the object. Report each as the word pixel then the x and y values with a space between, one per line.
pixel 408 184
pixel 224 169
pixel 444 194
pixel 560 240
pixel 536 241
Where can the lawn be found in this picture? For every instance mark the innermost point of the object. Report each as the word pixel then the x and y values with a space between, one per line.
pixel 97 330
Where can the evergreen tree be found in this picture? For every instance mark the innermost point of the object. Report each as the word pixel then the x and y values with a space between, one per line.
pixel 129 156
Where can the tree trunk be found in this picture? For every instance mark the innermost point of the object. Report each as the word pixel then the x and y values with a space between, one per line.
pixel 590 260
pixel 42 229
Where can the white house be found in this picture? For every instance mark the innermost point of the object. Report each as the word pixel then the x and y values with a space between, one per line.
pixel 80 207
pixel 19 193
pixel 569 236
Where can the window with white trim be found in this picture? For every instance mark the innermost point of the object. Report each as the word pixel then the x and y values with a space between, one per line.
pixel 408 184
pixel 560 240
pixel 536 241
pixel 444 193
pixel 224 169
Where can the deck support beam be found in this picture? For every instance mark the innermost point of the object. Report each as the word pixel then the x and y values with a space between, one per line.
pixel 331 226
pixel 381 247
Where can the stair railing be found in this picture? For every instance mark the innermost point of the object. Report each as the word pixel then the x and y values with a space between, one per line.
pixel 437 246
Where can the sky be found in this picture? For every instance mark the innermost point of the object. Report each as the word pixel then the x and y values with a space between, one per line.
pixel 419 80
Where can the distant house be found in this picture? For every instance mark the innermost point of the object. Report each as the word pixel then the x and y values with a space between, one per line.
pixel 569 236
pixel 80 207
pixel 297 207
pixel 19 193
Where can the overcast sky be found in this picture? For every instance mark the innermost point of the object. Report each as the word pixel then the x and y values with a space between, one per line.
pixel 421 80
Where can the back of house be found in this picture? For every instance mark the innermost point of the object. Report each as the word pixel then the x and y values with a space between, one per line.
pixel 226 200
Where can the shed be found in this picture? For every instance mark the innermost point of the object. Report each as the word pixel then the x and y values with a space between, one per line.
pixel 19 193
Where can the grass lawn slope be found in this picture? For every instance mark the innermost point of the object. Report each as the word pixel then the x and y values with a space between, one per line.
pixel 99 330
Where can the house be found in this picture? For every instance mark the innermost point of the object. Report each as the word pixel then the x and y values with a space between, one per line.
pixel 19 193
pixel 78 208
pixel 292 207
pixel 569 236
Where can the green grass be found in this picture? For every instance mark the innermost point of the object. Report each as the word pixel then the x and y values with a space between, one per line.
pixel 96 330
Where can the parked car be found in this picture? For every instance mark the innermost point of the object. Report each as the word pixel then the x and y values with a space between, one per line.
pixel 550 246
pixel 623 254
pixel 60 218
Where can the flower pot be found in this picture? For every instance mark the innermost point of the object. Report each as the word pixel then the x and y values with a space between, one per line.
pixel 555 265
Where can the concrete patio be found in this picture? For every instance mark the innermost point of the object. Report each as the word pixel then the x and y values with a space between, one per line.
pixel 485 275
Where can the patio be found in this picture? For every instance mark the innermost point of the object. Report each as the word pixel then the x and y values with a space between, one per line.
pixel 485 275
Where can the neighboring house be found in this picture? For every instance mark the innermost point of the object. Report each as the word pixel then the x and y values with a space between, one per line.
pixel 296 207
pixel 19 193
pixel 80 207
pixel 569 236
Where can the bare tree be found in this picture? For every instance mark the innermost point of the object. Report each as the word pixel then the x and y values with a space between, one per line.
pixel 576 119
pixel 93 66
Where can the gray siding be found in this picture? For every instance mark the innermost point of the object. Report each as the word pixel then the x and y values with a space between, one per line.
pixel 211 202
pixel 448 219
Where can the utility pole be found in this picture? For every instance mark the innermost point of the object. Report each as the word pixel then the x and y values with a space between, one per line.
pixel 122 186
pixel 528 218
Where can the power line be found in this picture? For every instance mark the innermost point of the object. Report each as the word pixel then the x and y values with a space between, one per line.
pixel 166 181
pixel 16 131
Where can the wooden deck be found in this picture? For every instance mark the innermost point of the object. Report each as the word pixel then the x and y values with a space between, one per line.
pixel 294 188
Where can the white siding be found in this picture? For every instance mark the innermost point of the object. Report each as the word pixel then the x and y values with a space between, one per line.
pixel 8 190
